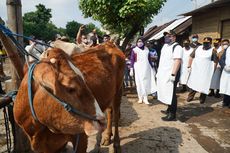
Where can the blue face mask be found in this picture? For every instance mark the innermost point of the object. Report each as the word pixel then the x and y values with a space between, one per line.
pixel 194 39
pixel 168 40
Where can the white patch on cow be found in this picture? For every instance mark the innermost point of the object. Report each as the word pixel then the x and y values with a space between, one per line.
pixel 99 112
pixel 76 70
pixel 68 148
pixel 53 60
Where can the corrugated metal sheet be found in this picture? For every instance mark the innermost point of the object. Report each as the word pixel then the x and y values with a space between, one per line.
pixel 154 30
pixel 211 6
pixel 183 27
pixel 172 26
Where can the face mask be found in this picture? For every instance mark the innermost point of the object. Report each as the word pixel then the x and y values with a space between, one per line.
pixel 168 40
pixel 206 45
pixel 140 44
pixel 216 44
pixel 186 45
pixel 225 46
pixel 194 39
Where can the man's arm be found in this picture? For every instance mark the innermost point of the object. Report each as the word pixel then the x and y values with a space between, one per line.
pixel 78 37
pixel 192 55
pixel 176 66
pixel 190 62
pixel 214 58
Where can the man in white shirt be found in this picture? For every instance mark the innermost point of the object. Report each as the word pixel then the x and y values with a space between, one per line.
pixel 34 49
pixel 168 76
pixel 225 76
pixel 201 64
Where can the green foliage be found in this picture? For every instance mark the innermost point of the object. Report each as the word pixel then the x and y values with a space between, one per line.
pixel 41 16
pixel 121 16
pixel 72 28
pixel 38 24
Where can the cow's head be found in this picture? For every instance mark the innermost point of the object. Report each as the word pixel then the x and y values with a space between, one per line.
pixel 59 76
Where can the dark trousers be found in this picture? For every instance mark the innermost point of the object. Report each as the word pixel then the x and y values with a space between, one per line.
pixel 128 79
pixel 226 100
pixel 192 93
pixel 173 107
pixel 1 90
pixel 184 87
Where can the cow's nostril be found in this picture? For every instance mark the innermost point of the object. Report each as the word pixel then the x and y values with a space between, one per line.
pixel 101 121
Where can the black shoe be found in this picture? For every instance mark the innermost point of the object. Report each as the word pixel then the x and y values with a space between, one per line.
pixel 225 105
pixel 217 95
pixel 211 93
pixel 169 117
pixel 202 101
pixel 164 112
pixel 182 90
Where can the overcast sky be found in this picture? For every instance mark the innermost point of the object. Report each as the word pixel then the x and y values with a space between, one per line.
pixel 68 10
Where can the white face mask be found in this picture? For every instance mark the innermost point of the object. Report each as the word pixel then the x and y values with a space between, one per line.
pixel 225 46
pixel 194 39
pixel 140 44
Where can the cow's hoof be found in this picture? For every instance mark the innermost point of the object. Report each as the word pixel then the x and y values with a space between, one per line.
pixel 116 150
pixel 105 142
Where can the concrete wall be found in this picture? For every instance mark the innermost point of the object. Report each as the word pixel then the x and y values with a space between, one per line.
pixel 209 23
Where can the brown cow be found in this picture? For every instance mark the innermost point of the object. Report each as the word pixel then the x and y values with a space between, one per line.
pixel 56 126
pixel 103 68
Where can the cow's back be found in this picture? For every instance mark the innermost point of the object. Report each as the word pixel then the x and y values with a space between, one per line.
pixel 103 68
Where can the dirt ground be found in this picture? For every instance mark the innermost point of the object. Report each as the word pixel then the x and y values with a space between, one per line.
pixel 199 128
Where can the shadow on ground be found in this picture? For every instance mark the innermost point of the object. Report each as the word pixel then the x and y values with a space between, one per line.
pixel 157 140
pixel 128 113
pixel 186 112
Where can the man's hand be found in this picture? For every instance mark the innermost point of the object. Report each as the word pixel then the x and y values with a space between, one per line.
pixel 172 78
pixel 82 27
pixel 227 68
pixel 189 69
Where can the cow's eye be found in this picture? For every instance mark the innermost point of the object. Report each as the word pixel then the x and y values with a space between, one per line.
pixel 71 90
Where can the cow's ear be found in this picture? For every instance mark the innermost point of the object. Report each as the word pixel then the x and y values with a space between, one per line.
pixel 45 76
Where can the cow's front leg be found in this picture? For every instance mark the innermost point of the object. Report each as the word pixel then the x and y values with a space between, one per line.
pixel 108 132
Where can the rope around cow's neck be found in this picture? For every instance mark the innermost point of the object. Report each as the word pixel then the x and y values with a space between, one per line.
pixel 67 106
